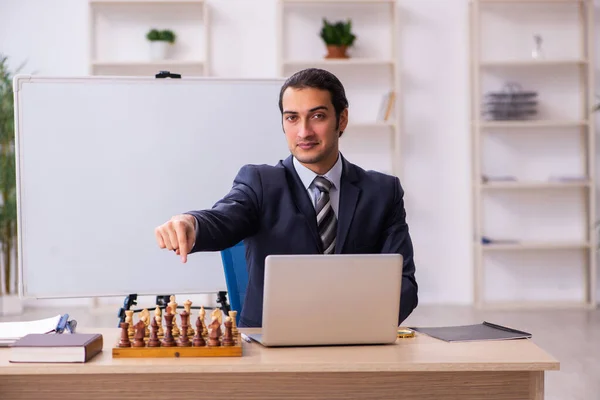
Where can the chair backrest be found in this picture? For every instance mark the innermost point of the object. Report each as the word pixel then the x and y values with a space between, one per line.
pixel 236 276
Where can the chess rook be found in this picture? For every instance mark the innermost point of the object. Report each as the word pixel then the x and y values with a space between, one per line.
pixel 124 342
pixel 233 316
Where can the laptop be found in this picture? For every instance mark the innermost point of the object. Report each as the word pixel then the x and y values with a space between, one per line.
pixel 340 299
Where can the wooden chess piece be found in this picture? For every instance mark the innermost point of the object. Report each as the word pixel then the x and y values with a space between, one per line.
pixel 138 339
pixel 145 318
pixel 234 329
pixel 168 340
pixel 153 340
pixel 214 337
pixel 216 313
pixel 198 340
pixel 129 320
pixel 228 337
pixel 173 306
pixel 124 342
pixel 202 316
pixel 184 341
pixel 158 319
pixel 188 308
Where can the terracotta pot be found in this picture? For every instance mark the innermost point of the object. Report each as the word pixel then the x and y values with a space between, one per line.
pixel 336 51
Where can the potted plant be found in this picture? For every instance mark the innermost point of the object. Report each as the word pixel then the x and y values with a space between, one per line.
pixel 160 41
pixel 338 37
pixel 9 299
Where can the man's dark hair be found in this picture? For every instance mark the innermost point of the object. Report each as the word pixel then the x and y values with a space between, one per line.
pixel 318 79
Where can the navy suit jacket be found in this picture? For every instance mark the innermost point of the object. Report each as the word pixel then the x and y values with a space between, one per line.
pixel 268 208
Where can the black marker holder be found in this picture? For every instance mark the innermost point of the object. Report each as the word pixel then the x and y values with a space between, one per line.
pixel 167 74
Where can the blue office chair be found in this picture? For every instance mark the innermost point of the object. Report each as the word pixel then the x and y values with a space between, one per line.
pixel 236 276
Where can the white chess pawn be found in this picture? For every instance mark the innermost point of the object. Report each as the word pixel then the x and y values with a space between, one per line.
pixel 158 318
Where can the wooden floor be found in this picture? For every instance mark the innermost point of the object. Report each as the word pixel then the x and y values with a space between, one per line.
pixel 571 336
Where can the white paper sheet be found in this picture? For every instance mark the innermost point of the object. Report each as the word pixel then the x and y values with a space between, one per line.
pixel 12 331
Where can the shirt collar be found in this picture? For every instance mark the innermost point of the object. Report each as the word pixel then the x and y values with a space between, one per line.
pixel 307 176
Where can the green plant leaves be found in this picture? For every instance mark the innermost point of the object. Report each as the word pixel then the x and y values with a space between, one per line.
pixel 8 191
pixel 164 35
pixel 338 33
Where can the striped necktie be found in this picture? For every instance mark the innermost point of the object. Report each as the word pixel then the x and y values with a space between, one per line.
pixel 326 220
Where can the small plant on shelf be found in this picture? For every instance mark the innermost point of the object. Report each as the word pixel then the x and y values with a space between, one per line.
pixel 338 37
pixel 160 40
pixel 165 36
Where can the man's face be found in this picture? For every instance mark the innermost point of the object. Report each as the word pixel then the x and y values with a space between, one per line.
pixel 309 124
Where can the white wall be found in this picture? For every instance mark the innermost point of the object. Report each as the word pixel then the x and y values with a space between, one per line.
pixel 52 38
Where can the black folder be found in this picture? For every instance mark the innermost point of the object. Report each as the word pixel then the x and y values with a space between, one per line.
pixel 477 332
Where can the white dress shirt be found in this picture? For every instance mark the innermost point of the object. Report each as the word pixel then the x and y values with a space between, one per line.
pixel 334 175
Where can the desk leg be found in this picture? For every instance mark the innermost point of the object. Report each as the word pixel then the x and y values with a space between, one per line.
pixel 536 385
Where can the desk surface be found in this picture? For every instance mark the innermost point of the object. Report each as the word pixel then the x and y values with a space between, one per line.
pixel 421 353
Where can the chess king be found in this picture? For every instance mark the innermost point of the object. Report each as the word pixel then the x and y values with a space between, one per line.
pixel 315 201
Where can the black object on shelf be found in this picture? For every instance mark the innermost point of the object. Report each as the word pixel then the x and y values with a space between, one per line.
pixel 511 103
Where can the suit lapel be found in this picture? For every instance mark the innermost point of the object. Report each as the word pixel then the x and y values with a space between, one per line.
pixel 349 193
pixel 302 200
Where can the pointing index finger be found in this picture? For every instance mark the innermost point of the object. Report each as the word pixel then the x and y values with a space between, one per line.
pixel 182 239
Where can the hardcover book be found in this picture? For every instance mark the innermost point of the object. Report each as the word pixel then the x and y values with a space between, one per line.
pixel 56 348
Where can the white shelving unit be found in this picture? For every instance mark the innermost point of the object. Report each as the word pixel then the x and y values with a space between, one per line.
pixel 369 73
pixel 562 116
pixel 118 44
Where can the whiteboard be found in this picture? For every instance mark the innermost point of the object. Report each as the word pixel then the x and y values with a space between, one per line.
pixel 102 161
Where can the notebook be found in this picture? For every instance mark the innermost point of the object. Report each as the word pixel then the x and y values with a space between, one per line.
pixel 476 332
pixel 56 348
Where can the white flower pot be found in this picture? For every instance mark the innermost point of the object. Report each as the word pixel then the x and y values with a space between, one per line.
pixel 159 50
pixel 10 304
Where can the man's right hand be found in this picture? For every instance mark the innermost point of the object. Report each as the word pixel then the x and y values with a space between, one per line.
pixel 179 234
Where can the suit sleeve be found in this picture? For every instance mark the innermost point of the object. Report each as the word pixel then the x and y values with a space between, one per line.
pixel 397 239
pixel 234 217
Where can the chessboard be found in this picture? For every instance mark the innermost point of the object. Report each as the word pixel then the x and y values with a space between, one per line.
pixel 169 336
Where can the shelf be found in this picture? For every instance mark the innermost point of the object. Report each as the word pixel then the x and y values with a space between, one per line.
pixel 501 45
pixel 370 125
pixel 532 1
pixel 175 63
pixel 160 2
pixel 533 63
pixel 531 124
pixel 534 185
pixel 533 304
pixel 535 246
pixel 340 61
pixel 340 1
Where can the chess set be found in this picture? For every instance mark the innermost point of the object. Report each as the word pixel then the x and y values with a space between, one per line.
pixel 151 338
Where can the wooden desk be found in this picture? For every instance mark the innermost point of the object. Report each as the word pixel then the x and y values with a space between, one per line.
pixel 415 368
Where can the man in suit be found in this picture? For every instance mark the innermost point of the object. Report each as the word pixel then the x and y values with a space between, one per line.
pixel 313 202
